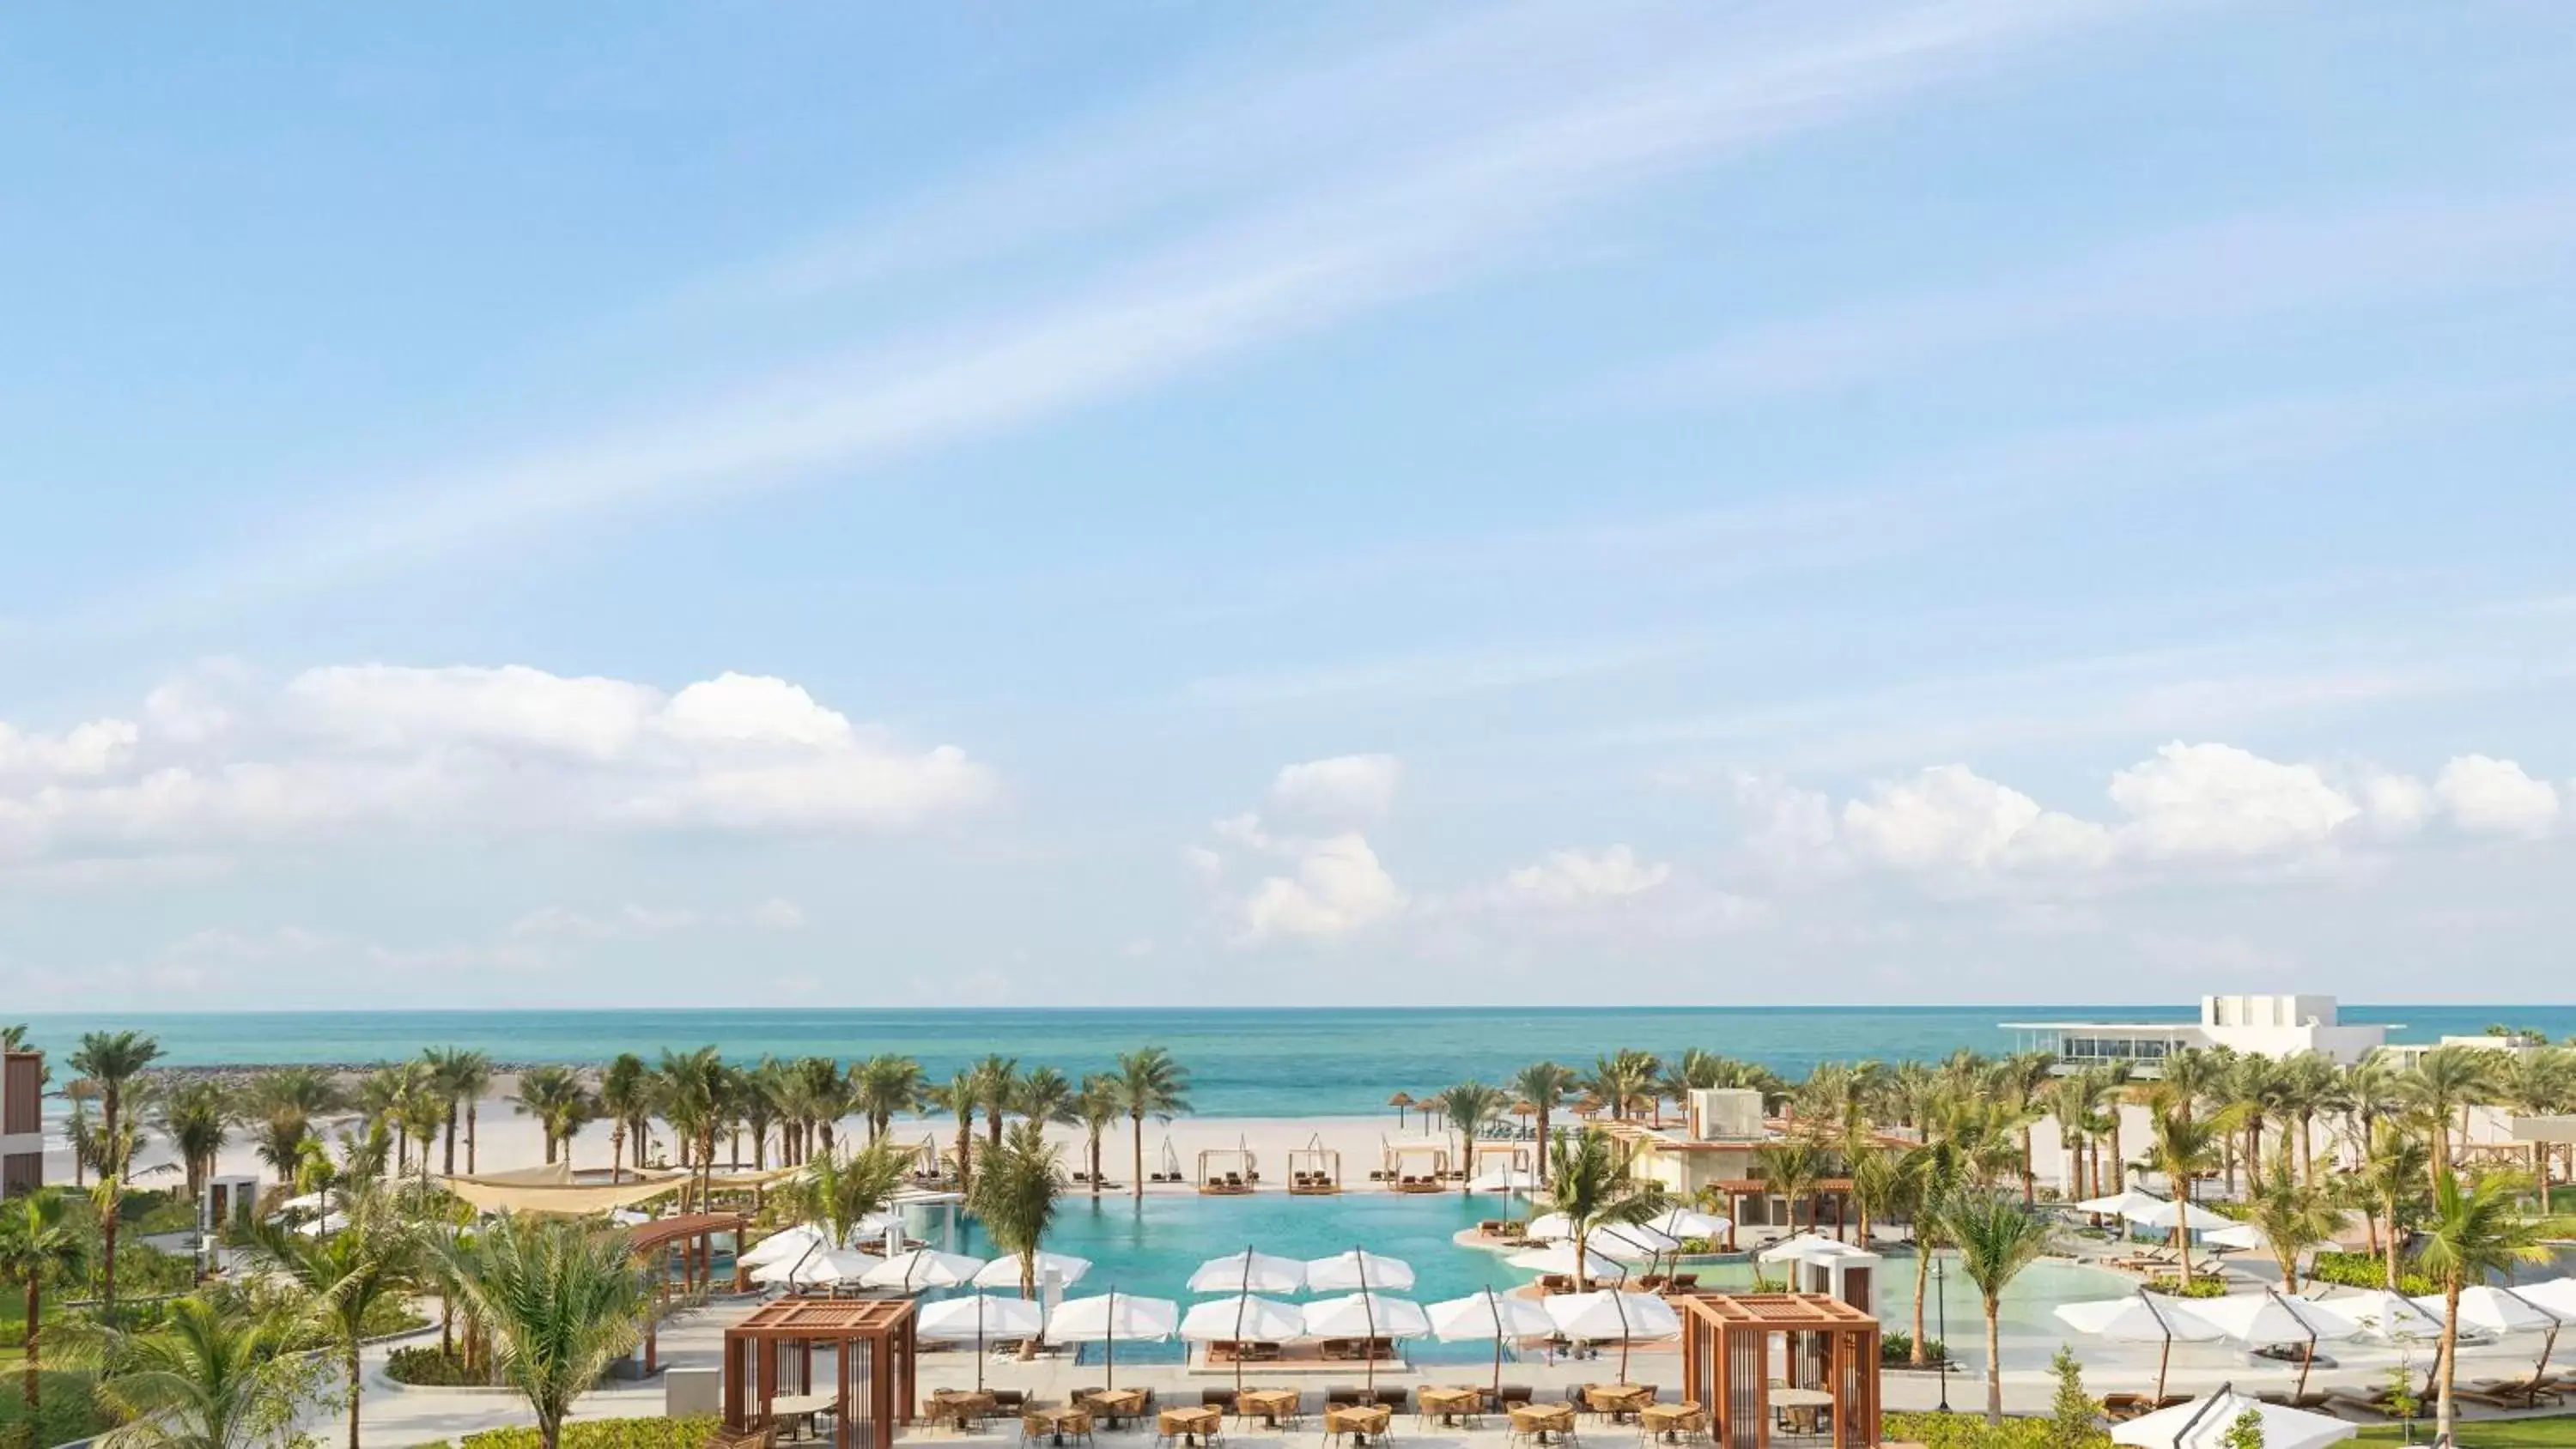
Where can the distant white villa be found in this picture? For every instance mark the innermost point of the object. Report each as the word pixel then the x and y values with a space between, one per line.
pixel 2272 1026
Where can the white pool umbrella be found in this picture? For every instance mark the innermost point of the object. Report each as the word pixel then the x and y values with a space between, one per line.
pixel 2268 1317
pixel 817 1267
pixel 979 1316
pixel 1249 1272
pixel 2203 1424
pixel 2240 1236
pixel 1610 1314
pixel 1488 1314
pixel 1005 1272
pixel 1549 1227
pixel 1345 1272
pixel 1810 1248
pixel 785 1245
pixel 1682 1222
pixel 2119 1204
pixel 2380 1316
pixel 925 1268
pixel 1630 1243
pixel 1559 1258
pixel 2138 1318
pixel 2157 1213
pixel 1111 1318
pixel 1504 1179
pixel 330 1222
pixel 1365 1315
pixel 2555 1295
pixel 2499 1311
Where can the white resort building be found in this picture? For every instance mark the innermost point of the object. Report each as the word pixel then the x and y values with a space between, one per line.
pixel 2272 1026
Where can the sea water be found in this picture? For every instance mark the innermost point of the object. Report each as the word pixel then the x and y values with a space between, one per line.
pixel 1269 1062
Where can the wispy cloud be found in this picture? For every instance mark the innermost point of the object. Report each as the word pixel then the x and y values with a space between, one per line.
pixel 1445 213
pixel 2232 272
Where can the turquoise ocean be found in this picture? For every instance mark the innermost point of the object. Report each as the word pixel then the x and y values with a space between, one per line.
pixel 1257 1062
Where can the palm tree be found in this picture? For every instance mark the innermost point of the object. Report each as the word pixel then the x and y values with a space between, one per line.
pixel 555 1097
pixel 1469 1106
pixel 821 1094
pixel 113 1060
pixel 760 1098
pixel 1592 1188
pixel 2181 1148
pixel 960 1097
pixel 692 1092
pixel 1015 1197
pixel 285 1103
pixel 2293 1212
pixel 460 1076
pixel 561 1299
pixel 1544 1086
pixel 2445 1082
pixel 1996 1238
pixel 203 1379
pixel 2024 1078
pixel 1098 1106
pixel 197 1117
pixel 2473 1233
pixel 997 1086
pixel 843 1192
pixel 41 1242
pixel 1909 1194
pixel 2372 1090
pixel 884 1086
pixel 2538 1082
pixel 1151 1084
pixel 1045 1097
pixel 626 1100
pixel 1791 1168
pixel 343 1278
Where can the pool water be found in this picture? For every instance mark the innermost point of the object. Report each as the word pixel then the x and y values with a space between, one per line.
pixel 1150 1248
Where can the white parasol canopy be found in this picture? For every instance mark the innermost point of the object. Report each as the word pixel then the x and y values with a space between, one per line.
pixel 2203 1424
pixel 2264 1318
pixel 1005 1272
pixel 1607 1314
pixel 2380 1316
pixel 2236 1235
pixel 1682 1222
pixel 925 1268
pixel 2553 1295
pixel 1355 1269
pixel 785 1245
pixel 2119 1204
pixel 979 1316
pixel 1559 1258
pixel 2158 1213
pixel 330 1222
pixel 1504 1179
pixel 1488 1315
pixel 2484 1309
pixel 1810 1248
pixel 1630 1242
pixel 1113 1317
pixel 1365 1315
pixel 817 1267
pixel 1244 1318
pixel 1249 1272
pixel 2138 1318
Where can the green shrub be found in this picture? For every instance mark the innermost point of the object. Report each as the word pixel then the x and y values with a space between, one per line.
pixel 2204 1286
pixel 66 1412
pixel 1971 1431
pixel 1896 1349
pixel 2365 1270
pixel 604 1434
pixel 424 1365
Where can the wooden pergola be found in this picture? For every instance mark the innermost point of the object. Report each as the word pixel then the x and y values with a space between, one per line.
pixel 1831 1348
pixel 691 1236
pixel 872 1365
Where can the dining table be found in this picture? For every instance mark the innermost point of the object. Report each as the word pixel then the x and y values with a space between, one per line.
pixel 1361 1422
pixel 1450 1405
pixel 1619 1401
pixel 1116 1405
pixel 1669 1422
pixel 799 1410
pixel 1191 1425
pixel 1268 1405
pixel 1538 1421
pixel 1075 1419
pixel 960 1407
pixel 1799 1406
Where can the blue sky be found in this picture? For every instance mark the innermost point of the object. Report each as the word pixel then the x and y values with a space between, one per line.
pixel 1111 504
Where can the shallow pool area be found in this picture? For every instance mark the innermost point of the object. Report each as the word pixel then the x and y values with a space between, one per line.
pixel 1151 1247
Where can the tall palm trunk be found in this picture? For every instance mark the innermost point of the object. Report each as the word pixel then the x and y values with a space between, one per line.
pixel 1136 1121
pixel 1095 1162
pixel 1923 1251
pixel 32 1386
pixel 1994 1364
pixel 2446 1366
pixel 472 1111
pixel 1542 1144
pixel 353 1396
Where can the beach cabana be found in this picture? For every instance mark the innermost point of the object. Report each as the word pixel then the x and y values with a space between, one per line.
pixel 1484 1158
pixel 1832 1357
pixel 1314 1170
pixel 771 1354
pixel 1228 1171
pixel 1415 1165
pixel 1239 1322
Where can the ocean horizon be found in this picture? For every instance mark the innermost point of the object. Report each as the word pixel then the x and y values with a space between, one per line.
pixel 1244 1061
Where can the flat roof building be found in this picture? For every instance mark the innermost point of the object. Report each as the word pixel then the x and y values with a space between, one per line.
pixel 22 1122
pixel 2285 1025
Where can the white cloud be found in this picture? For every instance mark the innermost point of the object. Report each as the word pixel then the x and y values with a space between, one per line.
pixel 2220 800
pixel 1344 788
pixel 2208 803
pixel 2492 796
pixel 215 764
pixel 1569 878
pixel 1338 887
pixel 777 914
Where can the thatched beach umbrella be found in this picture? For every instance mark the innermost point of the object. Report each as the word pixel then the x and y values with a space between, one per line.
pixel 1399 1102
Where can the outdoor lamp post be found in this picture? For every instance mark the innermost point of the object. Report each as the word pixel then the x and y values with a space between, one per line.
pixel 1941 1311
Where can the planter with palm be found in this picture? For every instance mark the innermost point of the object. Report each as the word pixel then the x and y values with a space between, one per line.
pixel 560 1299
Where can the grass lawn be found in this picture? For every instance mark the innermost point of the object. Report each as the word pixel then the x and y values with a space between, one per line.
pixel 2555 1432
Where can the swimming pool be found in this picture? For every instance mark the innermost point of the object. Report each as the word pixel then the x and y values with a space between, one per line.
pixel 1151 1248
